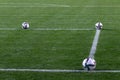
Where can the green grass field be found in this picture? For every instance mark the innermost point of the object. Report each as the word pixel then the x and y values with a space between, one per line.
pixel 43 47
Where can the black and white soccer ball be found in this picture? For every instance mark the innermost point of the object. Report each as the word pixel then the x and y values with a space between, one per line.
pixel 25 25
pixel 89 64
pixel 98 25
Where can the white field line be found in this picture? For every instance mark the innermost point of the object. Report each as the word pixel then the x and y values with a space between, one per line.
pixel 94 44
pixel 31 5
pixel 59 15
pixel 52 5
pixel 103 6
pixel 57 70
pixel 8 29
pixel 73 29
pixel 48 29
pixel 61 6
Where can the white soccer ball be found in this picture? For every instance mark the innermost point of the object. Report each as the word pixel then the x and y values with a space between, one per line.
pixel 25 25
pixel 89 64
pixel 98 25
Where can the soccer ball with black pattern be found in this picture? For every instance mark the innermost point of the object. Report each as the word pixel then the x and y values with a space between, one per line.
pixel 89 64
pixel 25 25
pixel 98 25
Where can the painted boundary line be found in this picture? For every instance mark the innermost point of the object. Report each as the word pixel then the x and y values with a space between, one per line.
pixel 94 44
pixel 73 29
pixel 47 29
pixel 59 15
pixel 52 5
pixel 32 5
pixel 59 70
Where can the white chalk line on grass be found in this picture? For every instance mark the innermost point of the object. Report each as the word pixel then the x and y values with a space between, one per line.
pixel 94 44
pixel 48 29
pixel 31 5
pixel 58 70
pixel 53 5
pixel 73 29
pixel 64 15
pixel 62 6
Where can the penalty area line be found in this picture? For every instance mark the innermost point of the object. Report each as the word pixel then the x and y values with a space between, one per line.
pixel 94 44
pixel 58 70
pixel 47 29
pixel 61 29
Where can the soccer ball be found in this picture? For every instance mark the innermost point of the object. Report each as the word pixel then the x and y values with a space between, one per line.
pixel 89 64
pixel 98 25
pixel 25 25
